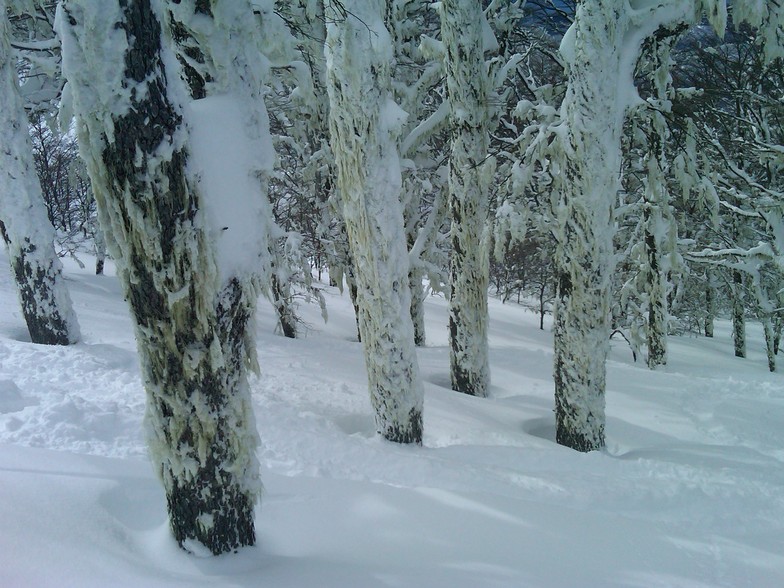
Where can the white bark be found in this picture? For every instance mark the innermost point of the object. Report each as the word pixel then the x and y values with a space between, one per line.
pixel 364 124
pixel 467 86
pixel 45 302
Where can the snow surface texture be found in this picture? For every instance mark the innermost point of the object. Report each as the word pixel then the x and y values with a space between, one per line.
pixel 689 493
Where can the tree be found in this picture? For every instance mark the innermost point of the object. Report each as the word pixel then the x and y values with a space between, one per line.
pixel 46 304
pixel 188 244
pixel 67 195
pixel 418 87
pixel 651 245
pixel 601 49
pixel 600 63
pixel 364 122
pixel 469 176
pixel 305 204
pixel 738 124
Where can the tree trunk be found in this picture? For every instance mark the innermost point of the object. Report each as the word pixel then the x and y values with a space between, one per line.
pixel 738 315
pixel 26 230
pixel 601 51
pixel 100 251
pixel 467 89
pixel 417 306
pixel 656 331
pixel 364 122
pixel 770 345
pixel 584 232
pixel 655 208
pixel 353 293
pixel 190 320
pixel 710 306
pixel 281 298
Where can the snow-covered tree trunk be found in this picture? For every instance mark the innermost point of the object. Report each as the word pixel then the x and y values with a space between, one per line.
pixel 601 49
pixel 281 299
pixel 710 305
pixel 738 314
pixel 467 89
pixel 364 122
pixel 100 251
pixel 415 273
pixel 29 236
pixel 659 226
pixel 770 345
pixel 656 286
pixel 417 306
pixel 584 239
pixel 191 298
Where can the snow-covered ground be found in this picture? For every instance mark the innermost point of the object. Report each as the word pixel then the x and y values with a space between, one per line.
pixel 689 493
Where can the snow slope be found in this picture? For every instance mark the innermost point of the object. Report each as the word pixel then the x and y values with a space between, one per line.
pixel 689 493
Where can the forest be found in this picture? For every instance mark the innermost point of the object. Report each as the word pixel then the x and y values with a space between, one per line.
pixel 612 165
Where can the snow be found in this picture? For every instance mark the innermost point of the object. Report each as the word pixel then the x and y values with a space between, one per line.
pixel 222 160
pixel 104 55
pixel 688 492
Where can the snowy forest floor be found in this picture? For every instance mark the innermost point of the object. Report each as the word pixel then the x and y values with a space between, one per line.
pixel 688 493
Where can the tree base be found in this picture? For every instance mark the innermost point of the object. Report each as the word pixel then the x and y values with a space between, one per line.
pixel 578 441
pixel 221 524
pixel 467 383
pixel 412 433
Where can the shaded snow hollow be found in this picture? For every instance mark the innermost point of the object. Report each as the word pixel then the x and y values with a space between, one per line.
pixel 689 493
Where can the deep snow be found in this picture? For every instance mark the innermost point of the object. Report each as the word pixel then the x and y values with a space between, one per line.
pixel 689 492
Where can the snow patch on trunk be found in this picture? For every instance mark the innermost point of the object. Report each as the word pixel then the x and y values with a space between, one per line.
pixel 226 165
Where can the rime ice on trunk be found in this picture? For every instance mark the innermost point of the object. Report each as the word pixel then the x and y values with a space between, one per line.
pixel 584 236
pixel 655 286
pixel 601 48
pixel 26 230
pixel 466 77
pixel 190 323
pixel 364 122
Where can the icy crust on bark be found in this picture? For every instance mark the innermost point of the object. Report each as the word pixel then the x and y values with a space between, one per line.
pixel 468 200
pixel 602 49
pixel 46 304
pixel 191 327
pixel 364 123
